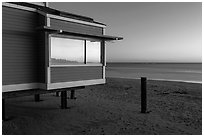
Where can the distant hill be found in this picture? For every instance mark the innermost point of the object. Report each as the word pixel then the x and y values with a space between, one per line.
pixel 55 61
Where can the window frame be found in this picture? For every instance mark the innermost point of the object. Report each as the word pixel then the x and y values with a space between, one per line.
pixel 85 54
pixel 100 54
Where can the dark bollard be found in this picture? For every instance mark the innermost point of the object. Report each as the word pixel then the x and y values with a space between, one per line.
pixel 57 94
pixel 3 110
pixel 37 97
pixel 63 99
pixel 72 94
pixel 143 95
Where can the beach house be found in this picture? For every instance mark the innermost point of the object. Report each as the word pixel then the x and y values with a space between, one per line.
pixel 47 50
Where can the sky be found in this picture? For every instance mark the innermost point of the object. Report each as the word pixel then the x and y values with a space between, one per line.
pixel 152 32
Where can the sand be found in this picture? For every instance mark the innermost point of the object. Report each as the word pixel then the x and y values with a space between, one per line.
pixel 114 108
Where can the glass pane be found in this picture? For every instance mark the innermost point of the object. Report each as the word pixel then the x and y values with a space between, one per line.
pixel 93 52
pixel 66 51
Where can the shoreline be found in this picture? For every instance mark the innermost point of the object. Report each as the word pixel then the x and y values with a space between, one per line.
pixel 154 62
pixel 168 80
pixel 185 81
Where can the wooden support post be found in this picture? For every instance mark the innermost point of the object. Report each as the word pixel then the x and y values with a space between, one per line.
pixel 143 95
pixel 37 97
pixel 72 96
pixel 57 94
pixel 3 110
pixel 63 99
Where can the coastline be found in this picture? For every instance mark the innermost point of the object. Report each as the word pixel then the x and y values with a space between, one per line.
pixel 179 72
pixel 169 80
pixel 111 109
pixel 185 81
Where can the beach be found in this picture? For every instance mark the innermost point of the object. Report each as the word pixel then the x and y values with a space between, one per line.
pixel 174 108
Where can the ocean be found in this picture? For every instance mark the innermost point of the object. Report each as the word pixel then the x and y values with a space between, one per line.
pixel 188 72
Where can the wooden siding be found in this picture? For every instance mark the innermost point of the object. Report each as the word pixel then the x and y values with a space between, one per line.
pixel 41 57
pixel 19 46
pixel 19 20
pixel 41 20
pixel 67 74
pixel 75 27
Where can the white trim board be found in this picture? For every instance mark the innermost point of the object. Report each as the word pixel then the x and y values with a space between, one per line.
pixel 77 65
pixel 26 86
pixel 18 6
pixel 104 72
pixel 75 84
pixel 49 86
pixel 74 20
pixel 48 22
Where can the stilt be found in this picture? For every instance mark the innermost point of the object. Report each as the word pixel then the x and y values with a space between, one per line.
pixel 143 95
pixel 37 97
pixel 63 99
pixel 72 96
pixel 57 94
pixel 3 110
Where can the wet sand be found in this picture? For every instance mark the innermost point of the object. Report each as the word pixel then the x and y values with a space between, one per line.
pixel 114 108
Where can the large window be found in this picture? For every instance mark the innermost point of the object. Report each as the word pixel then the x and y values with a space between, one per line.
pixel 93 51
pixel 66 51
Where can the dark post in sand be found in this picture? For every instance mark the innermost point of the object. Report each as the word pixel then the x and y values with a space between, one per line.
pixel 72 96
pixel 37 97
pixel 3 110
pixel 57 94
pixel 63 99
pixel 143 95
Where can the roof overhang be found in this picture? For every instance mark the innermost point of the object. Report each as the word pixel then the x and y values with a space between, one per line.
pixel 93 23
pixel 63 32
pixel 54 13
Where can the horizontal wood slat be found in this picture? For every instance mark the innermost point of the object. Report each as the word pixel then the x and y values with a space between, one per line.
pixel 14 19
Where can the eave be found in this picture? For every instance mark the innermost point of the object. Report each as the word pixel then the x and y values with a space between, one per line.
pixel 64 32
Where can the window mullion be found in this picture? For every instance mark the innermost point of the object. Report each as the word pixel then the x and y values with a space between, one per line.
pixel 84 51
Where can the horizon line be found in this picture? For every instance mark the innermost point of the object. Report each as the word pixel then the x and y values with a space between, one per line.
pixel 157 62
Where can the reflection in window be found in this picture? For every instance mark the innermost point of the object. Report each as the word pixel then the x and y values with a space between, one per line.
pixel 93 51
pixel 66 51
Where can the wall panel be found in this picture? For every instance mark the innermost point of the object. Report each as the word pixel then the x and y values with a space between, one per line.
pixel 75 27
pixel 19 46
pixel 67 74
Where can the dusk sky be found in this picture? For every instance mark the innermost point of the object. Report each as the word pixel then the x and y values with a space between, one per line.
pixel 152 32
